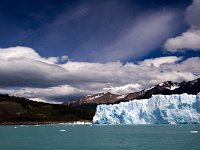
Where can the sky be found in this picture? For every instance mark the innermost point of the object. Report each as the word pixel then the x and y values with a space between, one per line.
pixel 60 50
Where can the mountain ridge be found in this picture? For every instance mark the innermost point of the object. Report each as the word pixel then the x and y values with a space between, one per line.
pixel 165 88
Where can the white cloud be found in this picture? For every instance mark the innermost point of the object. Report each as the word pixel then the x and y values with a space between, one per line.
pixel 64 59
pixel 189 40
pixel 191 65
pixel 58 60
pixel 54 59
pixel 23 72
pixel 161 60
pixel 19 53
pixel 124 89
pixel 22 66
pixel 44 101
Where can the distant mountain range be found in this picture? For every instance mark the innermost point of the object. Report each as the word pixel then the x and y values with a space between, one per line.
pixel 16 110
pixel 165 88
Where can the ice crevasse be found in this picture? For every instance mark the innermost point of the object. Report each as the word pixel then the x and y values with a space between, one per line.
pixel 159 109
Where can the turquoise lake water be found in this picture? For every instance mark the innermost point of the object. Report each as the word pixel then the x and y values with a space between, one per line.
pixel 97 137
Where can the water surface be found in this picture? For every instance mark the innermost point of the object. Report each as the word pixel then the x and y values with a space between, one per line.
pixel 100 137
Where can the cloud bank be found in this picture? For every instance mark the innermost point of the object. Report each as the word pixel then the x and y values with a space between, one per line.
pixel 23 72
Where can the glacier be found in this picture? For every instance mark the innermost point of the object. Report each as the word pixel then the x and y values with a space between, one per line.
pixel 159 109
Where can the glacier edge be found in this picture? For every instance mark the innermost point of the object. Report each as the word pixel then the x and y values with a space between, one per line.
pixel 159 109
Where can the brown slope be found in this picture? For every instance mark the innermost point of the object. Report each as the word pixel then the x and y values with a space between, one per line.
pixel 91 101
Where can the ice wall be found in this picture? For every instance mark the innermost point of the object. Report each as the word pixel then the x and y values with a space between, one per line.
pixel 169 109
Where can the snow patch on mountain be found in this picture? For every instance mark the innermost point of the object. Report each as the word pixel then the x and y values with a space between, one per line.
pixel 159 109
pixel 97 96
pixel 149 88
pixel 174 87
pixel 121 96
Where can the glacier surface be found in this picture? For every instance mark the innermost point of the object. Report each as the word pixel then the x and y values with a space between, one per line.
pixel 159 109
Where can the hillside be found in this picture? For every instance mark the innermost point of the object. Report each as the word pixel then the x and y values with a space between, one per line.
pixel 15 110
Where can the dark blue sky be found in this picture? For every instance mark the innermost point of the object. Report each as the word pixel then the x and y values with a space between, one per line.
pixel 91 30
pixel 57 50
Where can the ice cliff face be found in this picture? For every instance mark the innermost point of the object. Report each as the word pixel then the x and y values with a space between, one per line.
pixel 170 109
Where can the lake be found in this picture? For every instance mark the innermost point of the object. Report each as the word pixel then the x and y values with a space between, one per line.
pixel 100 137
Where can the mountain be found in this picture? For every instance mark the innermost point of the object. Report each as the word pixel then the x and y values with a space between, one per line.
pixel 91 101
pixel 15 110
pixel 159 109
pixel 165 88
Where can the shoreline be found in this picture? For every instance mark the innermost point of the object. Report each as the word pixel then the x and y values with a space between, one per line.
pixel 45 123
